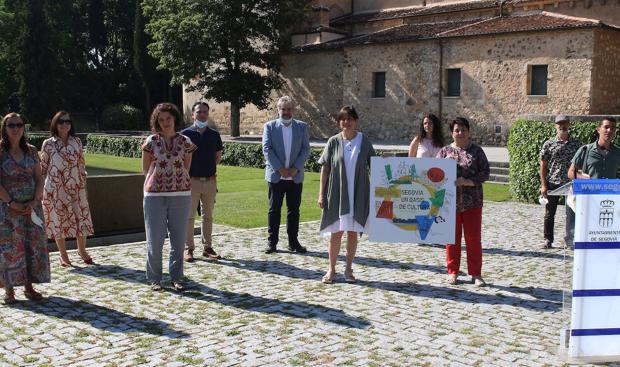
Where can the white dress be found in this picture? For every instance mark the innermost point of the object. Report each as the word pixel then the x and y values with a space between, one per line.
pixel 426 149
pixel 347 222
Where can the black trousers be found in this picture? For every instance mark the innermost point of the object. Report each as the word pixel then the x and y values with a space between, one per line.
pixel 550 210
pixel 277 192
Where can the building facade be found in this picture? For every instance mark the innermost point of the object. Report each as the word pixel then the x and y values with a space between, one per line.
pixel 488 61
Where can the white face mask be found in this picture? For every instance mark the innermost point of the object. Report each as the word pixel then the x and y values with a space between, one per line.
pixel 199 124
pixel 286 122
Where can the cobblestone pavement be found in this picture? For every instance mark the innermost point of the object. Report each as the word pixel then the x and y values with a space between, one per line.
pixel 253 309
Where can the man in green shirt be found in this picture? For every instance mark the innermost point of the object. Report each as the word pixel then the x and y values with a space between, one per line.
pixel 600 159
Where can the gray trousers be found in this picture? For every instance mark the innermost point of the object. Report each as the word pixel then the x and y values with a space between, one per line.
pixel 162 215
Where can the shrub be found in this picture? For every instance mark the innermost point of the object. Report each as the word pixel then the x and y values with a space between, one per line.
pixel 121 146
pixel 524 144
pixel 121 117
pixel 37 139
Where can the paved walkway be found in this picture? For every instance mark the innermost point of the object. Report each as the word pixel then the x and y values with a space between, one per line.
pixel 253 309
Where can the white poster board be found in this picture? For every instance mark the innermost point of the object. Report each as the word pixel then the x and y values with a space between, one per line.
pixel 595 314
pixel 412 200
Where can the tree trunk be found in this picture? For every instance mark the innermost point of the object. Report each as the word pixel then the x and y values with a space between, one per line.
pixel 235 117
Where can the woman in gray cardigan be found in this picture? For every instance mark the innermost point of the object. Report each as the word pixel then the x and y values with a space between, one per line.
pixel 345 189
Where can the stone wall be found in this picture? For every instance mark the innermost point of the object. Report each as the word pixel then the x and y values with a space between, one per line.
pixel 494 74
pixel 606 72
pixel 361 6
pixel 412 77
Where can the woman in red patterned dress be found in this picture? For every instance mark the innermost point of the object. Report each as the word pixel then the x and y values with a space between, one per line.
pixel 65 204
pixel 24 259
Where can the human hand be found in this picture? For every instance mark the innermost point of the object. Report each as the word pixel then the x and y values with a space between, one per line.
pixel 320 201
pixel 19 208
pixel 283 172
pixel 543 191
pixel 292 171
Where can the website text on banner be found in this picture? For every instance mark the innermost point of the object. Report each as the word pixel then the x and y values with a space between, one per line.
pixel 412 200
pixel 595 320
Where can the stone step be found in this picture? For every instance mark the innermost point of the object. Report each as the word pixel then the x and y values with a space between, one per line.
pixel 501 179
pixel 499 164
pixel 499 170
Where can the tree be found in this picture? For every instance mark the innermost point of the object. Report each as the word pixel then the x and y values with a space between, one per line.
pixel 8 80
pixel 229 49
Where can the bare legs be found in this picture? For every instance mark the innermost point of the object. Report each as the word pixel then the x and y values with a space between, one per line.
pixel 62 249
pixel 334 251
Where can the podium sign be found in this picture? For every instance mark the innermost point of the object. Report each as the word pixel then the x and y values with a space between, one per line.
pixel 412 200
pixel 595 315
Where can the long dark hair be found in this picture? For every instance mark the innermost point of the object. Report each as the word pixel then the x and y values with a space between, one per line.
pixel 54 124
pixel 438 139
pixel 5 143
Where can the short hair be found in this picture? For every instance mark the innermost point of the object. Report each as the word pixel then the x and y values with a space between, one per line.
pixel 54 124
pixel 607 118
pixel 285 100
pixel 5 143
pixel 200 103
pixel 171 109
pixel 459 121
pixel 347 111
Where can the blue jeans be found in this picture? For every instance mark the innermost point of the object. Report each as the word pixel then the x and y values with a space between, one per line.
pixel 162 215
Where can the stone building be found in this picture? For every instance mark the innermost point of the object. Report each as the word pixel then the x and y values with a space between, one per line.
pixel 489 61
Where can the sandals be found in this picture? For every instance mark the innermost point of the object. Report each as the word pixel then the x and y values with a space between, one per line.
pixel 328 278
pixel 348 277
pixel 64 264
pixel 33 295
pixel 178 286
pixel 9 297
pixel 452 279
pixel 478 281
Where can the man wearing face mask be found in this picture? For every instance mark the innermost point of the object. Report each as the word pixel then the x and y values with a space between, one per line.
pixel 203 176
pixel 555 159
pixel 286 147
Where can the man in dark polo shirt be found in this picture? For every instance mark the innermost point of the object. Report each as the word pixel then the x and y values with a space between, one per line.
pixel 203 177
pixel 600 159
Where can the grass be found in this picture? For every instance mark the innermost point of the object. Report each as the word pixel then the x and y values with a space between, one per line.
pixel 242 192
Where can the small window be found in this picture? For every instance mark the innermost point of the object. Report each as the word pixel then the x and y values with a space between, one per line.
pixel 538 80
pixel 378 84
pixel 453 87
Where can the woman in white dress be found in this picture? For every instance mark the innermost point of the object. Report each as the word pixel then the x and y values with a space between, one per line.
pixel 430 140
pixel 345 190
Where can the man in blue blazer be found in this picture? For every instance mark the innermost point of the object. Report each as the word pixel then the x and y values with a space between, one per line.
pixel 286 147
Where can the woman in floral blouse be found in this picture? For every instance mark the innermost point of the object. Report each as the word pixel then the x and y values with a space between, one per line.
pixel 472 170
pixel 24 259
pixel 166 158
pixel 65 202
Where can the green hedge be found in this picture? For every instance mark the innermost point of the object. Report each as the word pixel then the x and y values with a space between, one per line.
pixel 37 139
pixel 235 154
pixel 121 146
pixel 524 144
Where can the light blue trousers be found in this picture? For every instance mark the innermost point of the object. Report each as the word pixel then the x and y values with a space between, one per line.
pixel 162 215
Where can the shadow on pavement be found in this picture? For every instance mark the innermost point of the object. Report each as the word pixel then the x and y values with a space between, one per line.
pixel 99 317
pixel 383 263
pixel 239 300
pixel 501 251
pixel 546 299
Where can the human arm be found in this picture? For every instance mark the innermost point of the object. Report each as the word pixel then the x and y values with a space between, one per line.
pixel 323 182
pixel 413 147
pixel 219 149
pixel 269 151
pixel 45 158
pixel 577 164
pixel 542 172
pixel 304 152
pixel 574 173
pixel 147 159
pixel 187 161
pixel 481 171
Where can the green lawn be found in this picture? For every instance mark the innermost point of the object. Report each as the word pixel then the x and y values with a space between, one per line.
pixel 242 192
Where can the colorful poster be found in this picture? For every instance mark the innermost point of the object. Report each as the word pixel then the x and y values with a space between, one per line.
pixel 412 200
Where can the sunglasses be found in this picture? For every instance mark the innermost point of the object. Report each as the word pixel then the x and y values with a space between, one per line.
pixel 63 122
pixel 14 126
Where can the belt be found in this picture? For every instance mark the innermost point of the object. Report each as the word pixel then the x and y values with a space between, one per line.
pixel 210 178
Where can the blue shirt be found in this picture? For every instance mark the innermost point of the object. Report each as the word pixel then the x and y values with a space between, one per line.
pixel 208 143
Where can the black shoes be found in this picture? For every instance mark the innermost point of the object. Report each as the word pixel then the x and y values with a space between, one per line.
pixel 270 249
pixel 296 247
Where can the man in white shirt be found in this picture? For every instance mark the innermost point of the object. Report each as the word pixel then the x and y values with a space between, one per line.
pixel 286 147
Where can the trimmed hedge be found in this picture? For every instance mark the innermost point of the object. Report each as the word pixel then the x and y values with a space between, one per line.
pixel 235 154
pixel 121 146
pixel 36 139
pixel 524 144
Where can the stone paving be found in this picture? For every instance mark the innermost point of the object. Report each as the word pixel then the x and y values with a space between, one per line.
pixel 253 309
